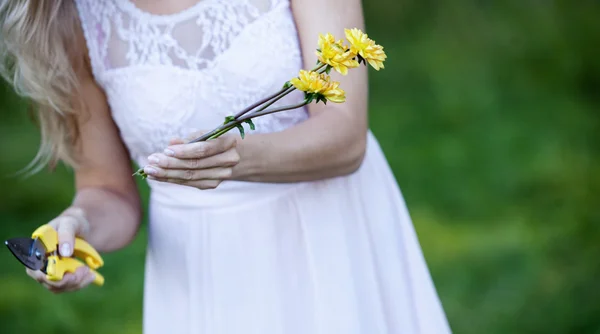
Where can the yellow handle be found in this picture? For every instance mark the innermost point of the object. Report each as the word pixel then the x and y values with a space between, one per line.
pixel 99 279
pixel 82 249
pixel 85 251
pixel 59 266
pixel 48 236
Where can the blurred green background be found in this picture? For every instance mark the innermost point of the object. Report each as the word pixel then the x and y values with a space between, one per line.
pixel 488 114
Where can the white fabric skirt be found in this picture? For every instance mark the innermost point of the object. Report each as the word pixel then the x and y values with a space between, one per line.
pixel 338 256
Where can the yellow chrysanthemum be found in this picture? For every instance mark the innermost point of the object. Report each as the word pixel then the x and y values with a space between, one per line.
pixel 333 93
pixel 320 84
pixel 308 81
pixel 361 44
pixel 335 54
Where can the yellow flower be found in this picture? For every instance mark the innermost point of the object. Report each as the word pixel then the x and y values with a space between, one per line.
pixel 319 86
pixel 333 93
pixel 308 81
pixel 362 45
pixel 335 54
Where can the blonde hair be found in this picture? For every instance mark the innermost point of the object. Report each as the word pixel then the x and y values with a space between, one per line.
pixel 36 59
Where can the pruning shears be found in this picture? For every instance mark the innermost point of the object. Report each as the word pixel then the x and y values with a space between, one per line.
pixel 40 252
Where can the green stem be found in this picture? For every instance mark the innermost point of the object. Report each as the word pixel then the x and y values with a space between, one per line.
pixel 278 96
pixel 231 125
pixel 272 111
pixel 275 96
pixel 289 90
pixel 228 126
pixel 241 116
pixel 222 132
pixel 320 69
pixel 271 99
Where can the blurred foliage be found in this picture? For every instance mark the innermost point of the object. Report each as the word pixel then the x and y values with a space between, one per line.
pixel 488 114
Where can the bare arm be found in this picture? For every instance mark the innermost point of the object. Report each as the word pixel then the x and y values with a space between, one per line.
pixel 106 192
pixel 106 210
pixel 332 142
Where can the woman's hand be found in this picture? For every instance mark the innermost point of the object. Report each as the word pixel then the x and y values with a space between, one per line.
pixel 70 224
pixel 202 165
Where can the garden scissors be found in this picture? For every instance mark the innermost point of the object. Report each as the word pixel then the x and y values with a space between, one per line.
pixel 40 252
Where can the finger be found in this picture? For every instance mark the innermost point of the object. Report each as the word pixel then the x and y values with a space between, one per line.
pixel 51 288
pixel 201 149
pixel 194 135
pixel 228 158
pixel 39 276
pixel 69 224
pixel 190 137
pixel 68 279
pixel 82 276
pixel 69 282
pixel 66 226
pixel 199 184
pixel 176 141
pixel 88 279
pixel 217 173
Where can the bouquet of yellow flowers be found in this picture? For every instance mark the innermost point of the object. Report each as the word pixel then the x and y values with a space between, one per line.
pixel 316 83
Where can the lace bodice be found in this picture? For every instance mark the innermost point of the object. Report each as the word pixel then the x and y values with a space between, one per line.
pixel 168 76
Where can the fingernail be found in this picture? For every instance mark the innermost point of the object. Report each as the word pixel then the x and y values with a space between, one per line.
pixel 169 152
pixel 153 159
pixel 150 170
pixel 65 250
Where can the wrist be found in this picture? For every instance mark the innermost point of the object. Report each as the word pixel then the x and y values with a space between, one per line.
pixel 252 160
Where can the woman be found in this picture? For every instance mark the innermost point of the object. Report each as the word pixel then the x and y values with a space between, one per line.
pixel 298 228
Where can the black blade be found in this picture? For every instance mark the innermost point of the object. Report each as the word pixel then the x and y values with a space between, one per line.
pixel 30 252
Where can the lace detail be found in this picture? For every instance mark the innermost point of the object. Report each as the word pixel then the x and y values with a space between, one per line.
pixel 171 75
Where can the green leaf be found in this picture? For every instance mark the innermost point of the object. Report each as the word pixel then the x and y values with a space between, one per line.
pixel 229 119
pixel 287 85
pixel 310 98
pixel 141 174
pixel 328 69
pixel 249 122
pixel 241 128
pixel 321 98
pixel 319 50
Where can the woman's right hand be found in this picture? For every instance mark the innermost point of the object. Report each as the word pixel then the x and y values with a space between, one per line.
pixel 69 224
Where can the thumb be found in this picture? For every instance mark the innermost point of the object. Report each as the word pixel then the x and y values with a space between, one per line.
pixel 67 227
pixel 176 141
pixel 195 135
pixel 190 137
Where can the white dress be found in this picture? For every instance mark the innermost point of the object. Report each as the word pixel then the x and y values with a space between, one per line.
pixel 338 256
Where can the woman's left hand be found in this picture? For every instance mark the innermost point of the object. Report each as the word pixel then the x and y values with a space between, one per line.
pixel 202 165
